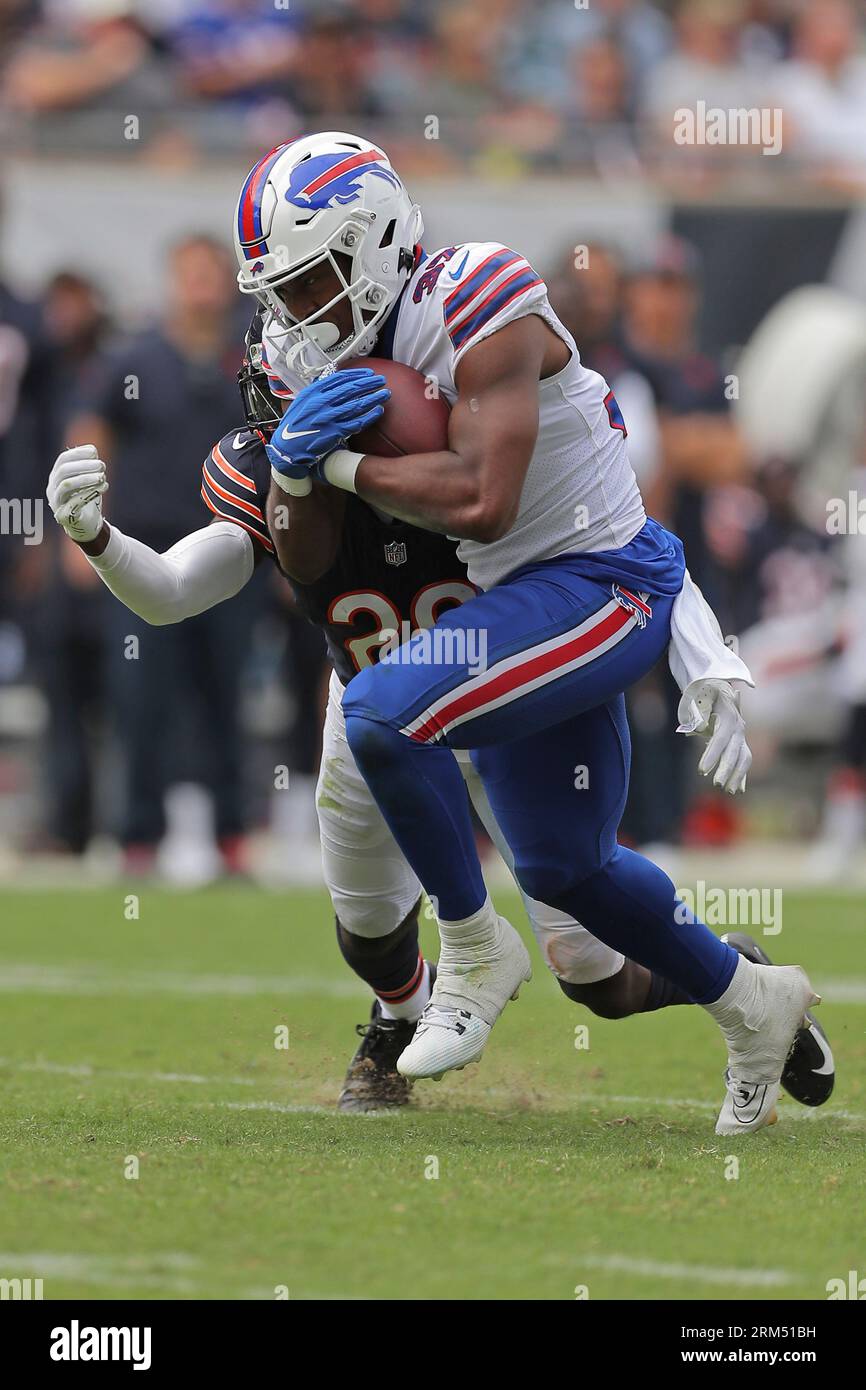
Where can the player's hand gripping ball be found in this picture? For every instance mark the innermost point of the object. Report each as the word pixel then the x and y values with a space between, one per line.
pixel 320 419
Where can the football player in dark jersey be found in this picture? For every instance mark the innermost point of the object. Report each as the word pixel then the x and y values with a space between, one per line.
pixel 362 576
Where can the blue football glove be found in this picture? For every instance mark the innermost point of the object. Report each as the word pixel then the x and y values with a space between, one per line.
pixel 321 418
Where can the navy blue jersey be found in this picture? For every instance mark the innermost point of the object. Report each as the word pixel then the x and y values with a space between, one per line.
pixel 388 576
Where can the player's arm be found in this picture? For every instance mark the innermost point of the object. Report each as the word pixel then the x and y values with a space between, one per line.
pixel 200 571
pixel 473 488
pixel 306 530
pixel 305 519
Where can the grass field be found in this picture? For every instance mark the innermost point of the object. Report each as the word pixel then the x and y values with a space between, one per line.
pixel 557 1167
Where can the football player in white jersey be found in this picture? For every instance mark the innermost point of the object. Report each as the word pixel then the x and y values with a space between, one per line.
pixel 580 592
pixel 328 241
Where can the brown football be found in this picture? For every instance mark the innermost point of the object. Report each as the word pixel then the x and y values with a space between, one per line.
pixel 415 420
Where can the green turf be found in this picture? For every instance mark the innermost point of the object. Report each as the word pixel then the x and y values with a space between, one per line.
pixel 558 1167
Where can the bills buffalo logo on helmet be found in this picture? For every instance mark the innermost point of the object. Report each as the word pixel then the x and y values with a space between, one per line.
pixel 328 179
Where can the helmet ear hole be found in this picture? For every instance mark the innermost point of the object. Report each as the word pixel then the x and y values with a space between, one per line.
pixel 388 234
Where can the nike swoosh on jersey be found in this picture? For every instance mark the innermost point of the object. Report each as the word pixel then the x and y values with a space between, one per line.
pixel 239 441
pixel 456 274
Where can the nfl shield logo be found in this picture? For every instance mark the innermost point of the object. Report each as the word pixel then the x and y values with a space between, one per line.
pixel 395 553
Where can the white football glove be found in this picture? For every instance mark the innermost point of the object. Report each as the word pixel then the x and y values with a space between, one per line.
pixel 75 487
pixel 711 710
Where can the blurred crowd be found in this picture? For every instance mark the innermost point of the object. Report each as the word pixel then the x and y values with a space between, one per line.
pixel 124 713
pixel 502 86
pixel 127 712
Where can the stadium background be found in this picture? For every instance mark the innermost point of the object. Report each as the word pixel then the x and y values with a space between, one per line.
pixel 722 291
pixel 127 127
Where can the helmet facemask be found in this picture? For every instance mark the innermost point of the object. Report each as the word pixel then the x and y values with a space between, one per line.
pixel 313 345
pixel 262 410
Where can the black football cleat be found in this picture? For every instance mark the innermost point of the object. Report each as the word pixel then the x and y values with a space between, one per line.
pixel 373 1081
pixel 809 1071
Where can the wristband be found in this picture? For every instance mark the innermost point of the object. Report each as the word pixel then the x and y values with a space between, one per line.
pixel 340 468
pixel 296 487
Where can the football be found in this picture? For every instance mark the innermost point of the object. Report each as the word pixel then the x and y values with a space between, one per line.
pixel 415 420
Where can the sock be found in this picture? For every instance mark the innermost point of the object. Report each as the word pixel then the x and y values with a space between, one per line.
pixel 392 965
pixel 413 1000
pixel 440 843
pixel 631 905
pixel 474 930
pixel 739 1001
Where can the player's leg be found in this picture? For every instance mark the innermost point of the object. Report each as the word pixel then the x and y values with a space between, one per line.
pixel 376 899
pixel 563 837
pixel 557 642
pixel 592 974
pixel 587 971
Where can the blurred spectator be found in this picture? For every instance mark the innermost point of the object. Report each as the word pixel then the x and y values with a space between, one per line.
pixel 163 399
pixel 786 580
pixel 823 92
pixel 333 73
pixel 600 116
pixel 542 46
pixel 98 54
pixel 16 17
pixel 23 423
pixel 236 50
pixel 706 68
pixel 462 78
pixel 76 325
pixel 777 564
pixel 586 292
pixel 700 445
pixel 69 613
pixel 546 86
pixel 700 448
pixel 843 829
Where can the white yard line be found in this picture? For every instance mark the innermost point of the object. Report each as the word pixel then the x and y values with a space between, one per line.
pixel 89 1073
pixel 842 991
pixel 86 1072
pixel 159 1271
pixel 700 1274
pixel 282 1109
pixel 792 1110
pixel 85 978
pixel 168 1272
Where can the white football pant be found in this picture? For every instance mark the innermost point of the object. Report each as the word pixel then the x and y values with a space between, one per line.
pixel 373 888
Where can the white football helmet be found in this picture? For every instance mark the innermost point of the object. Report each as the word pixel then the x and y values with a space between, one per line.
pixel 306 200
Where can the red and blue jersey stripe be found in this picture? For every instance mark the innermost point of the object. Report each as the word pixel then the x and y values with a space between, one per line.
pixel 502 277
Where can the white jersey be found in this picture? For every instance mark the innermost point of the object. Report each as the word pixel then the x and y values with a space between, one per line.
pixel 580 492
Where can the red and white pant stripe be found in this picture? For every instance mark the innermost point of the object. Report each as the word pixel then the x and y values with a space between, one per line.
pixel 523 672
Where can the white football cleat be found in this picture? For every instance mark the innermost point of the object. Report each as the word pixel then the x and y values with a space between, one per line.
pixel 472 987
pixel 444 1040
pixel 759 1042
